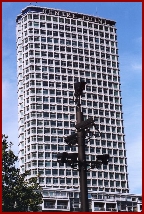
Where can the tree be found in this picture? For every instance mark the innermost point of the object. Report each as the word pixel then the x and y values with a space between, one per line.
pixel 18 194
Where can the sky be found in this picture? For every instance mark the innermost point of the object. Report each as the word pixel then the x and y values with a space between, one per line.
pixel 128 16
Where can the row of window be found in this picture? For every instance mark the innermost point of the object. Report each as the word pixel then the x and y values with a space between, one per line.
pixel 53 147
pixel 98 36
pixel 68 49
pixel 61 131
pixel 99 150
pixel 63 63
pixel 75 182
pixel 67 132
pixel 110 167
pixel 63 56
pixel 94 142
pixel 65 98
pixel 91 104
pixel 112 161
pixel 66 56
pixel 67 21
pixel 68 172
pixel 98 45
pixel 116 133
pixel 77 40
pixel 67 109
pixel 112 96
pixel 55 84
pixel 57 70
pixel 69 71
pixel 90 150
pixel 57 139
pixel 69 63
pixel 91 146
pixel 104 94
pixel 92 75
pixel 102 124
pixel 101 188
pixel 63 120
pixel 114 152
pixel 90 182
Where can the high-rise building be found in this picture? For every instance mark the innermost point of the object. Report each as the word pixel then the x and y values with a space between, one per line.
pixel 56 48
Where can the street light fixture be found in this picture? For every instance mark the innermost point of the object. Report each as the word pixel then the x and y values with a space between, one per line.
pixel 71 140
pixel 84 124
pixel 104 159
pixel 79 159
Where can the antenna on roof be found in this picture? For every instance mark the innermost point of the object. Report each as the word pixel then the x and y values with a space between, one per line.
pixel 96 11
pixel 35 3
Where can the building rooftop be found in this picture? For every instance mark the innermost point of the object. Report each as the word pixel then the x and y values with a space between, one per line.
pixel 69 14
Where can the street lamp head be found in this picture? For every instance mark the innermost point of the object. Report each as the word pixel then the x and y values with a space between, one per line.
pixel 103 158
pixel 71 140
pixel 84 124
pixel 79 87
pixel 69 158
pixel 62 157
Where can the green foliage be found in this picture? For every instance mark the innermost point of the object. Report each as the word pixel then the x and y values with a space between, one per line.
pixel 18 194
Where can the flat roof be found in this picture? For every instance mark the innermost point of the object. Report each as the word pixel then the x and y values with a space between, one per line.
pixel 38 9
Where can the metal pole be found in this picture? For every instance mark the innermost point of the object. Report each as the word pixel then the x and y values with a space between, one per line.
pixel 82 162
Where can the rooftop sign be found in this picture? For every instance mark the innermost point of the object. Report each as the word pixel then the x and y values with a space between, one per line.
pixel 78 16
pixel 61 13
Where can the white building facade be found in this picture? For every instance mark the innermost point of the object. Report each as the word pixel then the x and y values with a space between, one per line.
pixel 56 48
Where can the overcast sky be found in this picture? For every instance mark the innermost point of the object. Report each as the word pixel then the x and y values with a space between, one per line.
pixel 128 17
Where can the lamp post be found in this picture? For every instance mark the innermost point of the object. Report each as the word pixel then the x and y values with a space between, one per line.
pixel 78 138
pixel 81 156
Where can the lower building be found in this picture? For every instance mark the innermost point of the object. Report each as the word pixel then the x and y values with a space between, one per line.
pixel 62 200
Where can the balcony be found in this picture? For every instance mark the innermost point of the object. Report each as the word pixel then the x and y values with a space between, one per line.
pixel 56 207
pixel 99 209
pixel 111 209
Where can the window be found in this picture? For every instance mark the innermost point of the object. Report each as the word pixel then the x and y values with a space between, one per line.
pixel 61 148
pixel 61 172
pixel 106 183
pixel 56 40
pixel 100 183
pixel 116 168
pixel 47 147
pixel 55 180
pixel 53 131
pixel 92 149
pixel 54 171
pixel 48 180
pixel 40 155
pixel 46 138
pixel 68 181
pixel 68 172
pixel 41 180
pixel 54 147
pixel 59 131
pixel 59 116
pixel 75 173
pixel 62 180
